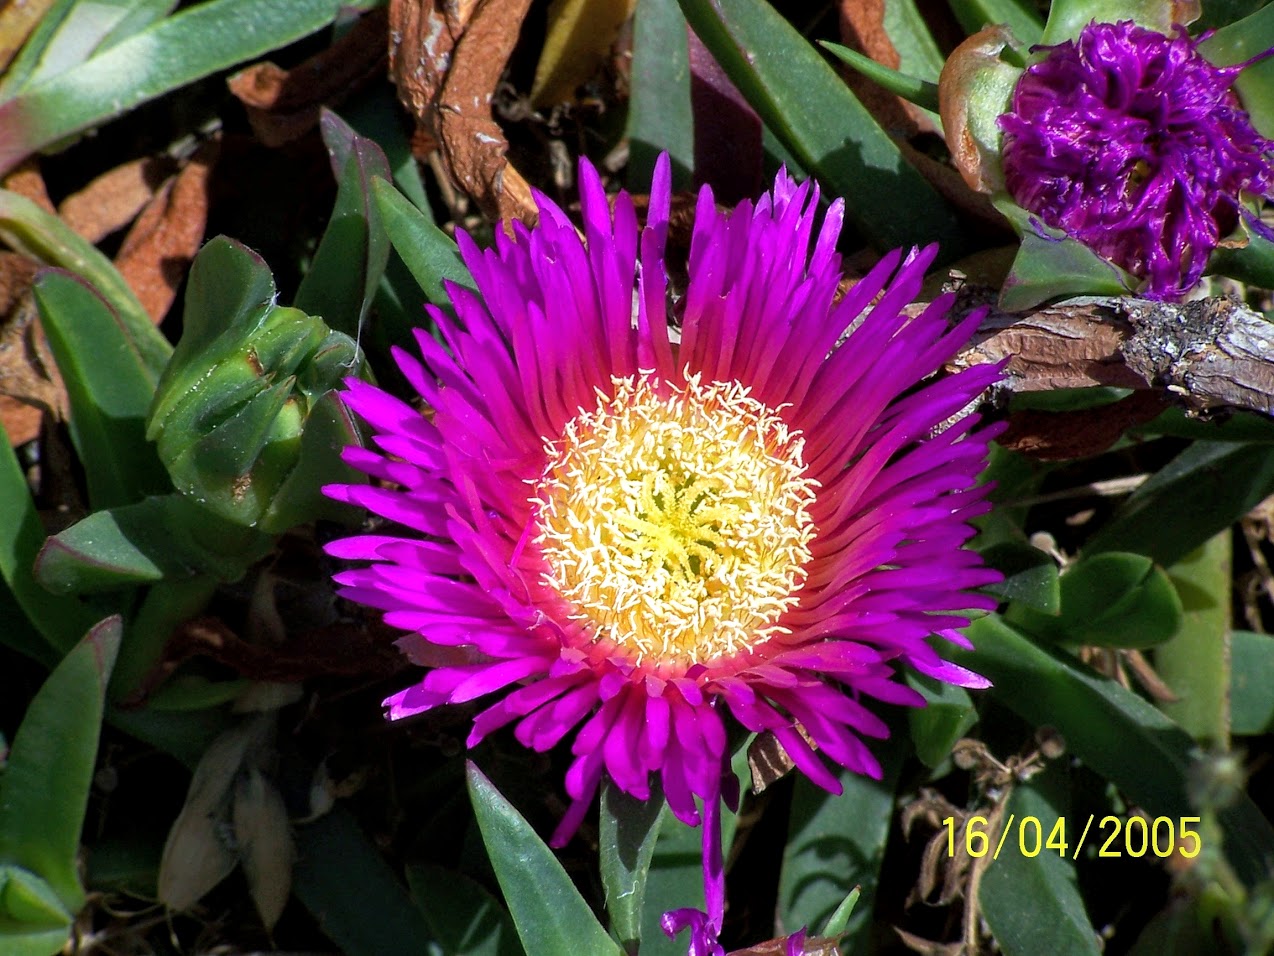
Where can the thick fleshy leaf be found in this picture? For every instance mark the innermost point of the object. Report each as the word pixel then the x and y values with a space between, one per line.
pixel 840 917
pixel 628 831
pixel 109 387
pixel 1111 599
pixel 465 918
pixel 428 253
pixel 344 881
pixel 351 256
pixel 167 605
pixel 47 16
pixel 1030 576
pixel 921 92
pixel 1049 265
pixel 1195 663
pixel 1031 900
pixel 1251 677
pixel 33 921
pixel 1241 41
pixel 158 538
pixel 1252 263
pixel 1020 16
pixel 918 53
pixel 830 133
pixel 178 50
pixel 44 789
pixel 1113 731
pixel 659 115
pixel 85 29
pixel 551 917
pixel 61 622
pixel 947 715
pixel 836 843
pixel 27 228
pixel 1067 17
pixel 1205 489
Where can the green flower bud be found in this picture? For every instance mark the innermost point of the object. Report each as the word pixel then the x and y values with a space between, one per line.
pixel 244 418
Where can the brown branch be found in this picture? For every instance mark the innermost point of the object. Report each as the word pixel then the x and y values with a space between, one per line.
pixel 1210 354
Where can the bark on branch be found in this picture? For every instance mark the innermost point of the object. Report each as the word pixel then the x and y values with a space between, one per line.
pixel 1210 354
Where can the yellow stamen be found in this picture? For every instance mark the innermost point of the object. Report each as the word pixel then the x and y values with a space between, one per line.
pixel 675 520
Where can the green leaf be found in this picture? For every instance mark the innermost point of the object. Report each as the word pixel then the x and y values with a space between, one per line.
pixel 629 829
pixel 918 53
pixel 375 114
pixel 1019 16
pixel 344 881
pixel 947 715
pixel 836 843
pixel 29 57
pixel 1240 41
pixel 839 919
pixel 1196 662
pixel 1251 677
pixel 1032 903
pixel 60 621
pixel 351 256
pixel 1246 427
pixel 33 921
pixel 1253 263
pixel 27 228
pixel 921 92
pixel 831 134
pixel 1205 489
pixel 44 789
pixel 659 114
pixel 551 917
pixel 425 249
pixel 1113 731
pixel 1112 599
pixel 1030 576
pixel 88 27
pixel 465 918
pixel 166 605
pixel 194 43
pixel 27 899
pixel 1049 265
pixel 1067 17
pixel 158 538
pixel 109 387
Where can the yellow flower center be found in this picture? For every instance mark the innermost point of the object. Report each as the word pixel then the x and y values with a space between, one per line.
pixel 675 520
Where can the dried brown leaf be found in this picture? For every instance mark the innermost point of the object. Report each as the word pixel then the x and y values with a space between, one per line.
pixel 446 59
pixel 26 181
pixel 266 848
pixel 158 249
pixel 113 200
pixel 580 35
pixel 199 853
pixel 17 20
pixel 21 422
pixel 29 380
pixel 283 105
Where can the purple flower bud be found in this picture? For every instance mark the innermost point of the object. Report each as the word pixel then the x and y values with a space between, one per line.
pixel 1133 143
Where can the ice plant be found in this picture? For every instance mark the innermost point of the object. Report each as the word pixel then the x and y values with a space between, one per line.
pixel 631 515
pixel 1133 143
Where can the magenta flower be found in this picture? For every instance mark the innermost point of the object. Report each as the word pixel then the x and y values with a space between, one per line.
pixel 1134 144
pixel 630 515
